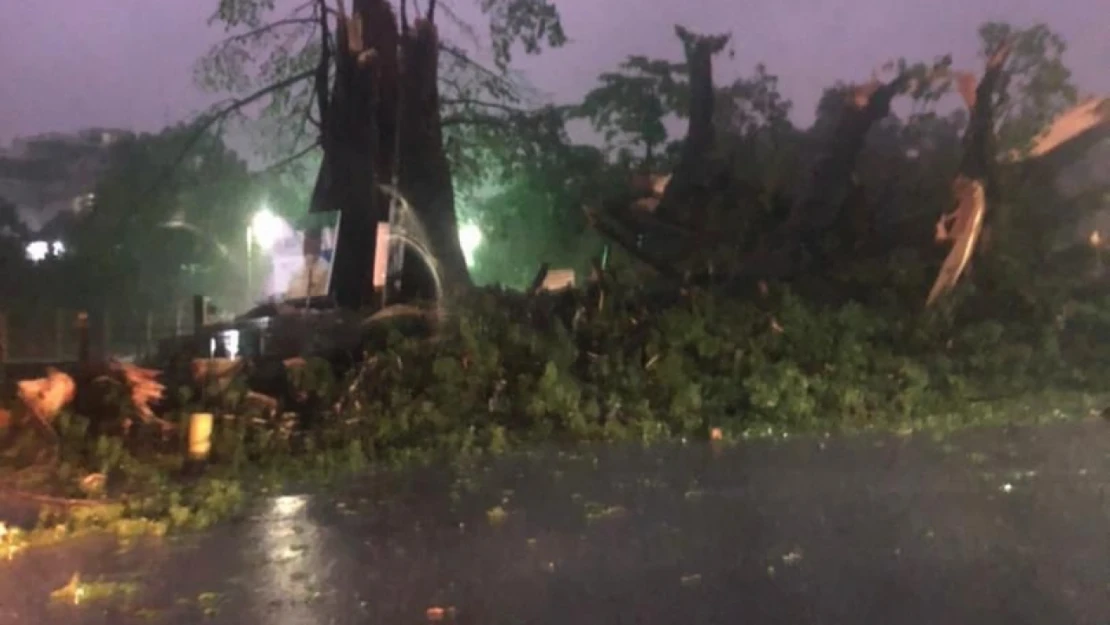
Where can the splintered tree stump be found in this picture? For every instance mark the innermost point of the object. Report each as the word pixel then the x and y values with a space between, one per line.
pixel 380 125
pixel 963 226
pixel 95 391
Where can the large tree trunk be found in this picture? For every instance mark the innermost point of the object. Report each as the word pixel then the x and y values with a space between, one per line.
pixel 686 197
pixel 383 99
pixel 425 176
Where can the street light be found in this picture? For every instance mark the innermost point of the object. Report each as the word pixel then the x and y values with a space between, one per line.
pixel 470 237
pixel 264 230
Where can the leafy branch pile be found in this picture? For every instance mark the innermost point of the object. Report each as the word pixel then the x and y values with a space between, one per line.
pixel 615 363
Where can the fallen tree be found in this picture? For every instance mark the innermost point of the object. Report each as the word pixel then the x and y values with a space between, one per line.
pixel 665 224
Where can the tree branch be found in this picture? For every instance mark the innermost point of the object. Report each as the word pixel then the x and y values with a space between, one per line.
pixel 494 105
pixel 321 77
pixel 220 114
pixel 597 221
pixel 963 226
pixel 472 120
pixel 462 57
pixel 261 30
pixel 285 162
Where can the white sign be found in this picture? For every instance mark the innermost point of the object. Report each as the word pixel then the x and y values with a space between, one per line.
pixel 300 265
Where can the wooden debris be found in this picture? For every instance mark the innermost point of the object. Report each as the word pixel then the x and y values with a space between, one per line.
pixel 267 404
pixel 1088 116
pixel 216 371
pixel 962 227
pixel 45 397
pixel 558 280
pixel 145 389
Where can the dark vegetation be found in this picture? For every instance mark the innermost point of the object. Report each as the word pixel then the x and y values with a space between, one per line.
pixel 777 283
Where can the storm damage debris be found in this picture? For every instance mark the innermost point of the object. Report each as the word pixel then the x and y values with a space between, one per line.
pixel 964 225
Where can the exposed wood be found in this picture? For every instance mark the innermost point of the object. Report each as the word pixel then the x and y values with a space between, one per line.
pixel 964 225
pixel 963 228
pixel 558 280
pixel 1087 122
pixel 46 397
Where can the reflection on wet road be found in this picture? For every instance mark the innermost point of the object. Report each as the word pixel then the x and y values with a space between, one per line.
pixel 987 526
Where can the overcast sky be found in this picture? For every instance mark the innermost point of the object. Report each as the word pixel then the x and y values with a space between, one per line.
pixel 66 65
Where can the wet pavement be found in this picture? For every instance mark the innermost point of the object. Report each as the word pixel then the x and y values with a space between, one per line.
pixel 985 526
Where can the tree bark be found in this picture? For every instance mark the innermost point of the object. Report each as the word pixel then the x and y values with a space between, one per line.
pixel 687 195
pixel 381 124
pixel 830 190
pixel 425 175
pixel 974 184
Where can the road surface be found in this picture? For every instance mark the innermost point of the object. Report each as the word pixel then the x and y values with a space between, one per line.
pixel 986 526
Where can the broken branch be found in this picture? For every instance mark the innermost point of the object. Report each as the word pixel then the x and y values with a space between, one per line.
pixel 964 225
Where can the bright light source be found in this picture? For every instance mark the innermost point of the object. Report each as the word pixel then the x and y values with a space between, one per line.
pixel 470 237
pixel 37 251
pixel 266 228
pixel 57 248
pixel 230 340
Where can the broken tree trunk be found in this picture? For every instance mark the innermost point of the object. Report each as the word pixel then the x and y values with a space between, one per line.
pixel 662 230
pixel 355 126
pixel 830 189
pixel 686 194
pixel 680 212
pixel 380 125
pixel 963 226
pixel 1071 134
pixel 425 175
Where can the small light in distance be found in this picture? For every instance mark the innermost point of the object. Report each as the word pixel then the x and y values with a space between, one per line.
pixel 37 251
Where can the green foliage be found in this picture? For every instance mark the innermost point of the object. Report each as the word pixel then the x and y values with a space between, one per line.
pixel 530 23
pixel 631 105
pixel 750 104
pixel 700 362
pixel 160 224
pixel 273 50
pixel 505 370
pixel 536 216
pixel 1038 86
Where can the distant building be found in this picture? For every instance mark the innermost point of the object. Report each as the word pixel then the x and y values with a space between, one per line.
pixel 49 174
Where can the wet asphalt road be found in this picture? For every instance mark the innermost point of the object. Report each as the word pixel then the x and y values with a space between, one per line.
pixel 986 526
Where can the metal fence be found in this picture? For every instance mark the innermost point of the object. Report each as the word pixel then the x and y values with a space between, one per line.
pixel 32 335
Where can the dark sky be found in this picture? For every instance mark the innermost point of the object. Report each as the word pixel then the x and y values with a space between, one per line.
pixel 69 64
